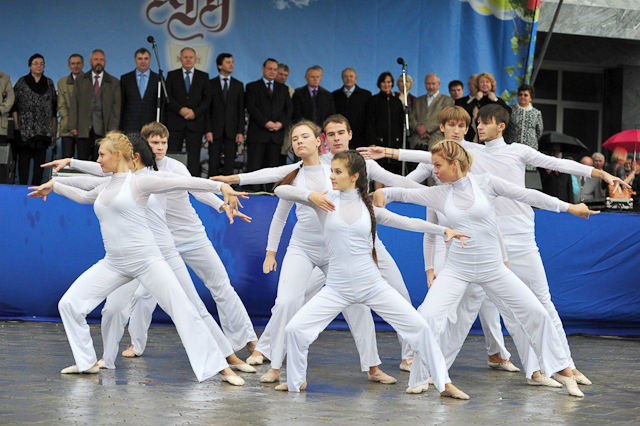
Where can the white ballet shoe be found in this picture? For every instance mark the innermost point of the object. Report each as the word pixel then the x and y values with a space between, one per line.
pixel 570 384
pixel 504 366
pixel 245 368
pixel 269 377
pixel 544 381
pixel 418 389
pixel 405 366
pixel 382 377
pixel 74 370
pixel 233 380
pixel 285 387
pixel 430 381
pixel 101 364
pixel 255 360
pixel 582 380
pixel 129 353
pixel 455 394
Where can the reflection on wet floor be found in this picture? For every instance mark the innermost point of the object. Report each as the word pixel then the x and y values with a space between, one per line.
pixel 160 387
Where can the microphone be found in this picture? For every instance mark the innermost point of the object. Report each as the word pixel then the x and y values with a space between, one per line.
pixel 401 61
pixel 151 40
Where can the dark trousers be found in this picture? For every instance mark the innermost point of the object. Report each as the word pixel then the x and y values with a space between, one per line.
pixel 34 149
pixel 194 144
pixel 262 155
pixel 68 147
pixel 216 149
pixel 87 149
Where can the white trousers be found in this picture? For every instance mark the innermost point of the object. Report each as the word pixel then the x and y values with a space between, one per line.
pixel 299 277
pixel 315 316
pixel 472 305
pixel 133 297
pixel 513 299
pixel 529 268
pixel 234 318
pixel 100 280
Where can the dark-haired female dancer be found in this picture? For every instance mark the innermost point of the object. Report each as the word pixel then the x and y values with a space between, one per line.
pixel 349 228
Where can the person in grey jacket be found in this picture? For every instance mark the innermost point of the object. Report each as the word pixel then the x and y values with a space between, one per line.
pixel 6 102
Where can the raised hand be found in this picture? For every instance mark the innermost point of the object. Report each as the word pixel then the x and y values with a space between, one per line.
pixel 58 164
pixel 229 180
pixel 581 210
pixel 320 201
pixel 371 152
pixel 41 191
pixel 228 192
pixel 455 234
pixel 379 200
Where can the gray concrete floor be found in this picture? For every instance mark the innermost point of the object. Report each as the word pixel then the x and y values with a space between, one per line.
pixel 160 388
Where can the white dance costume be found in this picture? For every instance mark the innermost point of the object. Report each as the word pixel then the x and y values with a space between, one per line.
pixel 198 253
pixel 132 253
pixel 517 220
pixel 468 204
pixel 353 278
pixel 361 322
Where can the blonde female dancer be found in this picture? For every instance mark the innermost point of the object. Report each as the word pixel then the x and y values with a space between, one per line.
pixel 349 230
pixel 131 253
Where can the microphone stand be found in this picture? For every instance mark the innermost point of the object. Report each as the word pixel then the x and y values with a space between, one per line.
pixel 162 86
pixel 405 128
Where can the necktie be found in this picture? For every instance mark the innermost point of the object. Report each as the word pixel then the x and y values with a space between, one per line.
pixel 187 81
pixel 96 87
pixel 225 89
pixel 270 89
pixel 348 92
pixel 142 85
pixel 582 181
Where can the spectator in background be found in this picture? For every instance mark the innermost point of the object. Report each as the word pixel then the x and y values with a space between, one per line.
pixel 351 101
pixel 425 126
pixel 400 93
pixel 486 95
pixel 465 102
pixel 617 165
pixel 269 106
pixel 598 160
pixel 283 75
pixel 138 94
pixel 590 188
pixel 456 89
pixel 385 120
pixel 525 124
pixel 225 119
pixel 6 103
pixel 35 117
pixel 95 106
pixel 65 92
pixel 189 94
pixel 313 102
pixel 555 183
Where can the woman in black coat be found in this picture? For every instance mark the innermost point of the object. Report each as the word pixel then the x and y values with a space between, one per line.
pixel 35 117
pixel 384 120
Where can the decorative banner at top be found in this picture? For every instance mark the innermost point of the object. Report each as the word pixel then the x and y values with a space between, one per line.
pixel 191 19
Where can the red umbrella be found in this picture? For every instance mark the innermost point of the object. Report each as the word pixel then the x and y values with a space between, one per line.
pixel 628 140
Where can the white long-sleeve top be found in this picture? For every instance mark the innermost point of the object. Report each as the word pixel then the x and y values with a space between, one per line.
pixel 182 219
pixel 121 207
pixel 374 172
pixel 346 233
pixel 509 163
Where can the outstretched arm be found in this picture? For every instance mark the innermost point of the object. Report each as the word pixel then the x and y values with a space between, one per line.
pixel 387 218
pixel 378 174
pixel 75 194
pixel 409 155
pixel 432 197
pixel 268 175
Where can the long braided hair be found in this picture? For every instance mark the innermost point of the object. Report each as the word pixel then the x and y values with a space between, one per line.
pixel 288 179
pixel 355 164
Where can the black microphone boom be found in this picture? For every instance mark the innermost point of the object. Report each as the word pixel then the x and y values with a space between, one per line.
pixel 151 40
pixel 401 61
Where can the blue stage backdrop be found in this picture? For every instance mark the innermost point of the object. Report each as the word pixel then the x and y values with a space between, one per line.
pixel 591 265
pixel 453 38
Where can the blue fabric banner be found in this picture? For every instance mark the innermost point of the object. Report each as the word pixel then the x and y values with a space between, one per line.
pixel 591 265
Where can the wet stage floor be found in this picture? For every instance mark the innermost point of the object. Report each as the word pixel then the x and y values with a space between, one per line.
pixel 160 388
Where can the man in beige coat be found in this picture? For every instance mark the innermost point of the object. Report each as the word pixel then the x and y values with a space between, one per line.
pixel 6 102
pixel 65 91
pixel 95 106
pixel 425 127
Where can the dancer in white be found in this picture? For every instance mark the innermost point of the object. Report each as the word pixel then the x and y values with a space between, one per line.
pixel 131 253
pixel 468 203
pixel 516 222
pixel 338 134
pixel 349 228
pixel 117 308
pixel 194 247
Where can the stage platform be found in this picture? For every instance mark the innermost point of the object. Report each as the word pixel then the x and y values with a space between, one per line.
pixel 160 388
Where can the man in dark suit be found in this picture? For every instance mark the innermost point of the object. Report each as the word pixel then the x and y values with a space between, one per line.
pixel 312 101
pixel 139 94
pixel 351 101
pixel 95 106
pixel 225 120
pixel 269 106
pixel 189 94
